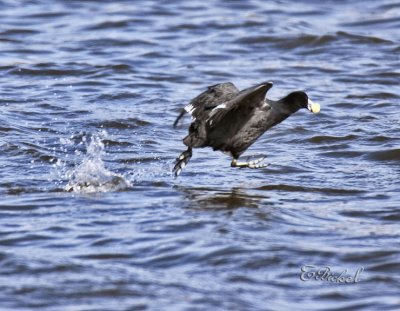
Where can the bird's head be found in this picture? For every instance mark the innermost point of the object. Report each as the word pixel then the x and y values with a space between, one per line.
pixel 298 100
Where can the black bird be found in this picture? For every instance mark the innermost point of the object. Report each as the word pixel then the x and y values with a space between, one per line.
pixel 231 121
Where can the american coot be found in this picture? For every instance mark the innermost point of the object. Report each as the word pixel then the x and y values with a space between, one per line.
pixel 231 121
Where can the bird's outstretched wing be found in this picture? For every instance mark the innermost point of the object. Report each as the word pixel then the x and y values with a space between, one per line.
pixel 251 97
pixel 201 105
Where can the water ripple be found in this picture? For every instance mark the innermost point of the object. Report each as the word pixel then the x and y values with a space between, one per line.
pixel 90 210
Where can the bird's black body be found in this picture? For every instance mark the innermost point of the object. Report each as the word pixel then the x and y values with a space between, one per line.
pixel 231 121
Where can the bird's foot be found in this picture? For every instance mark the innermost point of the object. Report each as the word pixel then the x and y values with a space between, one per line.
pixel 182 161
pixel 249 164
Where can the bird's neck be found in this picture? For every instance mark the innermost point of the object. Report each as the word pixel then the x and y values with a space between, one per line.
pixel 280 107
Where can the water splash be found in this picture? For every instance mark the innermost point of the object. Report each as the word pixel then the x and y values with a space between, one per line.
pixel 91 175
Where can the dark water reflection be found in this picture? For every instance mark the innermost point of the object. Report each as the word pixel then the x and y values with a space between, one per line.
pixel 208 198
pixel 90 216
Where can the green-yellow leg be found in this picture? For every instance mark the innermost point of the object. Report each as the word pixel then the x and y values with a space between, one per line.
pixel 249 164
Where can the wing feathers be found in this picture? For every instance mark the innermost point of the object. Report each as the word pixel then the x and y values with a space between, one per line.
pixel 210 98
pixel 251 97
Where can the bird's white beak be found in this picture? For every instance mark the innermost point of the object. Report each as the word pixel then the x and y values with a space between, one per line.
pixel 313 107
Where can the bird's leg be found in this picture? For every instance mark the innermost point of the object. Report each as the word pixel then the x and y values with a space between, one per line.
pixel 181 161
pixel 249 164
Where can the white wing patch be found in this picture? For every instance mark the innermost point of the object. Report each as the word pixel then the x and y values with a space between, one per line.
pixel 189 109
pixel 221 106
pixel 214 112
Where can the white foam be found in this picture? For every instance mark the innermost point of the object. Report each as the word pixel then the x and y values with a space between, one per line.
pixel 91 175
